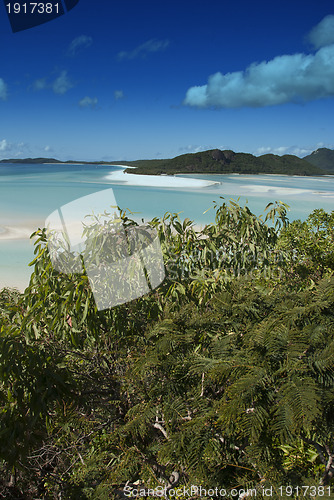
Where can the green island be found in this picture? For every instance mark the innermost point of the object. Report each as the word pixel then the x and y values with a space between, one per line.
pixel 221 377
pixel 320 162
pixel 228 162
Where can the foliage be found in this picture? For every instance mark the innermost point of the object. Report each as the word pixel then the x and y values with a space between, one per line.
pixel 322 158
pixel 221 376
pixel 311 247
pixel 225 162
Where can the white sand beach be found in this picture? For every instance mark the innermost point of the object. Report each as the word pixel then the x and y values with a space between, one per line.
pixel 16 232
pixel 164 181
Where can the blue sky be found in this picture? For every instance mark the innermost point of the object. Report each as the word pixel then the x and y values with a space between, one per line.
pixel 129 80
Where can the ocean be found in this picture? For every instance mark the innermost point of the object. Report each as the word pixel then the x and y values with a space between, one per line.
pixel 29 193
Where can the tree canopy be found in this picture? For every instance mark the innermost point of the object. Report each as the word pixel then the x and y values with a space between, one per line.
pixel 223 376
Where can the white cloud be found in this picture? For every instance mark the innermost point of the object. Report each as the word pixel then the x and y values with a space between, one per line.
pixel 88 102
pixel 22 149
pixel 80 42
pixel 59 86
pixel 118 94
pixel 4 145
pixel 280 150
pixel 323 33
pixel 13 150
pixel 3 90
pixel 144 49
pixel 286 78
pixel 40 84
pixel 285 150
pixel 192 149
pixel 62 84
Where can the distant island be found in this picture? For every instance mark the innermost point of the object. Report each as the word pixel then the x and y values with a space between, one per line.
pixel 215 161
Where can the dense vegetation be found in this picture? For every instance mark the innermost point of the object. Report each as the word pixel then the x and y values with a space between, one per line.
pixel 215 161
pixel 225 162
pixel 221 377
pixel 323 158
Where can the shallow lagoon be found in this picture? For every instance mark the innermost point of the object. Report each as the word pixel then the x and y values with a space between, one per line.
pixel 29 193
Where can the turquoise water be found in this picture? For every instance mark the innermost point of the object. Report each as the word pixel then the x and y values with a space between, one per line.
pixel 302 194
pixel 29 193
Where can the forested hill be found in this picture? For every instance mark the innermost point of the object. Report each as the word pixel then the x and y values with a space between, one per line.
pixel 215 161
pixel 322 158
pixel 224 162
pixel 30 160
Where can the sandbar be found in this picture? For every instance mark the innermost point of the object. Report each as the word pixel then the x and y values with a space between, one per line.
pixel 21 231
pixel 15 233
pixel 163 181
pixel 257 188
